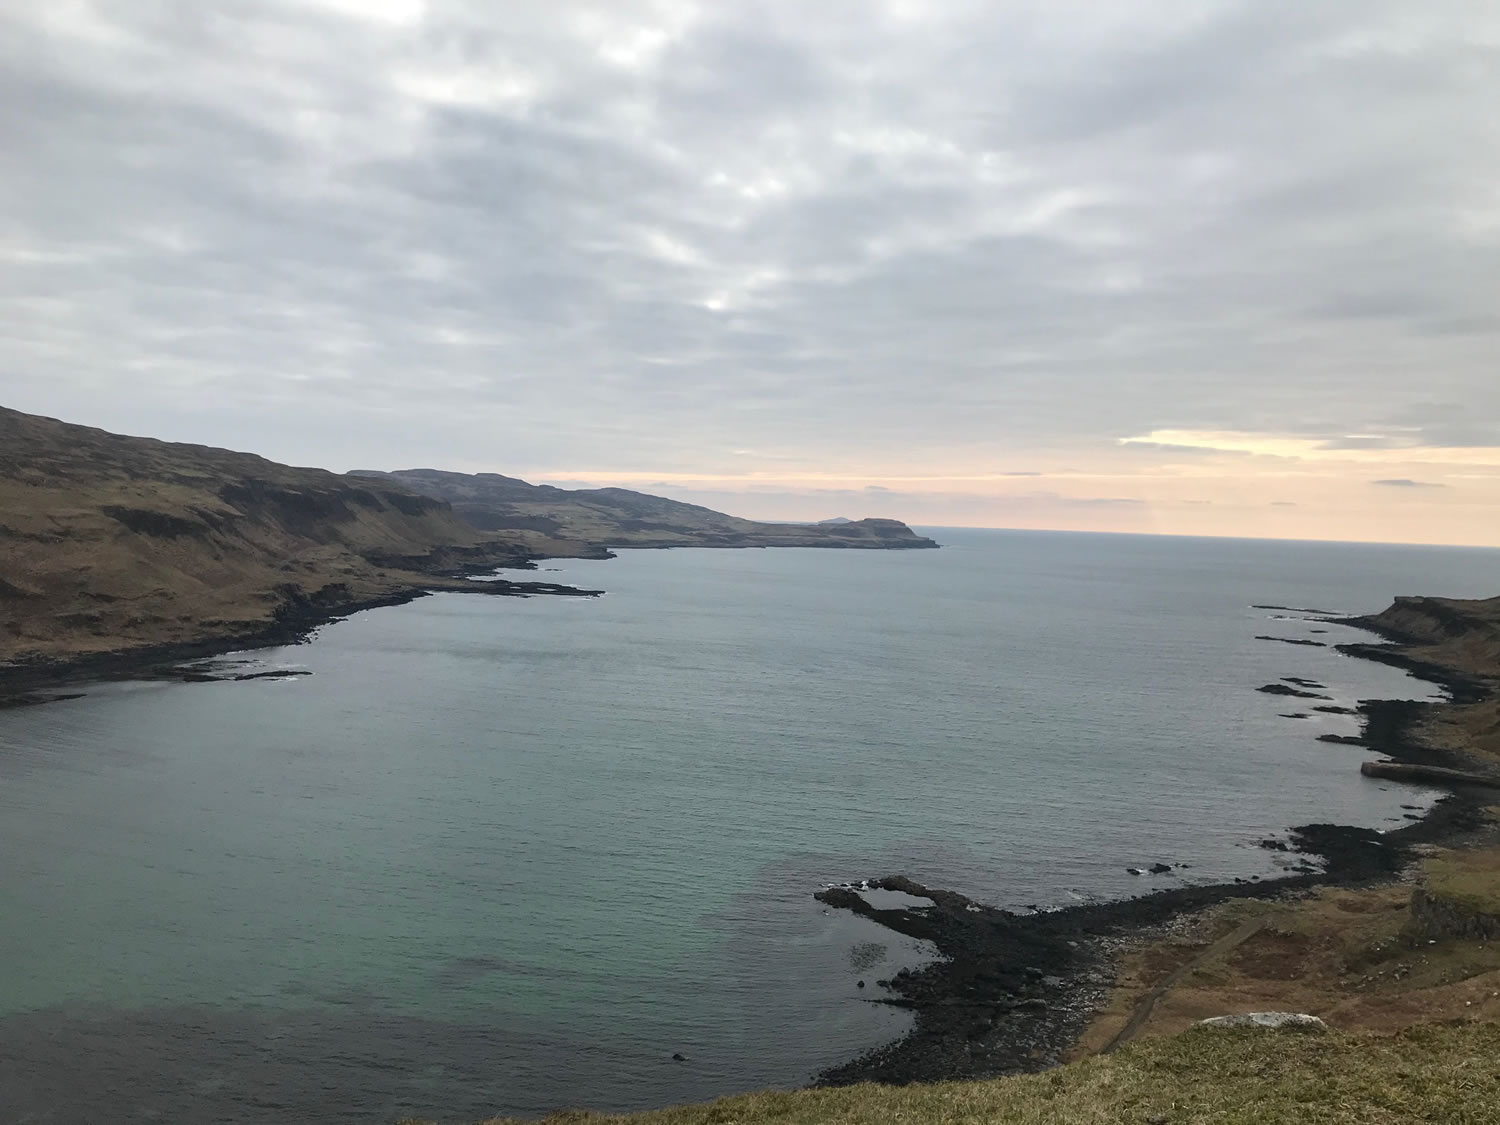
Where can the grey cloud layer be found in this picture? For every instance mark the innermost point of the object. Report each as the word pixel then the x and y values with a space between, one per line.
pixel 679 237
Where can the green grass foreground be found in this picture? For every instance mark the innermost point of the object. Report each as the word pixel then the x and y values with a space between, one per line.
pixel 1448 1074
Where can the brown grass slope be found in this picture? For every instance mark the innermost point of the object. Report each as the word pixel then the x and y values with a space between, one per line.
pixel 618 517
pixel 1225 1077
pixel 110 543
pixel 1461 640
pixel 1359 958
pixel 1419 951
pixel 118 545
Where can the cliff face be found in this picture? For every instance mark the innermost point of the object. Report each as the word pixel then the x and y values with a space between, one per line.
pixel 1442 621
pixel 618 517
pixel 1460 639
pixel 111 542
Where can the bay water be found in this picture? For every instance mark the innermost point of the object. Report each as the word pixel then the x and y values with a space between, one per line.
pixel 507 855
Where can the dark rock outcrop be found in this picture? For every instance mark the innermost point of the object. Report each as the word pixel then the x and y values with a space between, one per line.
pixel 1435 916
pixel 1287 689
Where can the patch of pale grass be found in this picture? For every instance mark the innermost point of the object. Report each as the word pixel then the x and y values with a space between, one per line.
pixel 1470 878
pixel 1448 1074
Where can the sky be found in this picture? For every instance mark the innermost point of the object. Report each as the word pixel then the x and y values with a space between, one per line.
pixel 1179 266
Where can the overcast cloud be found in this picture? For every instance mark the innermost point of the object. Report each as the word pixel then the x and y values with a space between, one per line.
pixel 771 252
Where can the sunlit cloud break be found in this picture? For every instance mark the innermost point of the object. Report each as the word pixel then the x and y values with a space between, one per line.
pixel 1359 448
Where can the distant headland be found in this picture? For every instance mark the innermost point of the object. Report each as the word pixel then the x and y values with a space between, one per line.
pixel 125 555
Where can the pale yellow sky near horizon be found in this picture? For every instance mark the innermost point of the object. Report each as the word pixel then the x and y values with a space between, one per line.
pixel 1217 483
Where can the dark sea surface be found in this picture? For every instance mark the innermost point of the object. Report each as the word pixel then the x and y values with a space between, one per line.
pixel 503 856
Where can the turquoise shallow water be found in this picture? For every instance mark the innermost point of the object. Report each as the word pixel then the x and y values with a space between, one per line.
pixel 502 855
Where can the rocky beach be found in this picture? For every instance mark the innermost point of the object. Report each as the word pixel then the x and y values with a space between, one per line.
pixel 1014 993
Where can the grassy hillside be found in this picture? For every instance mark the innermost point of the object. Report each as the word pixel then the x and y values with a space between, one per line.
pixel 1461 639
pixel 618 517
pixel 1228 1077
pixel 111 542
pixel 1369 959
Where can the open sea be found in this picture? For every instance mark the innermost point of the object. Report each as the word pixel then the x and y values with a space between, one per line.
pixel 503 856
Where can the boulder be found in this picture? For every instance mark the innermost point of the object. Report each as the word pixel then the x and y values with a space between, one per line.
pixel 1268 1020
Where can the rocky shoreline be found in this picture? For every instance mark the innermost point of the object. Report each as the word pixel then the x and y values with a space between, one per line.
pixel 29 682
pixel 1013 993
pixel 123 555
